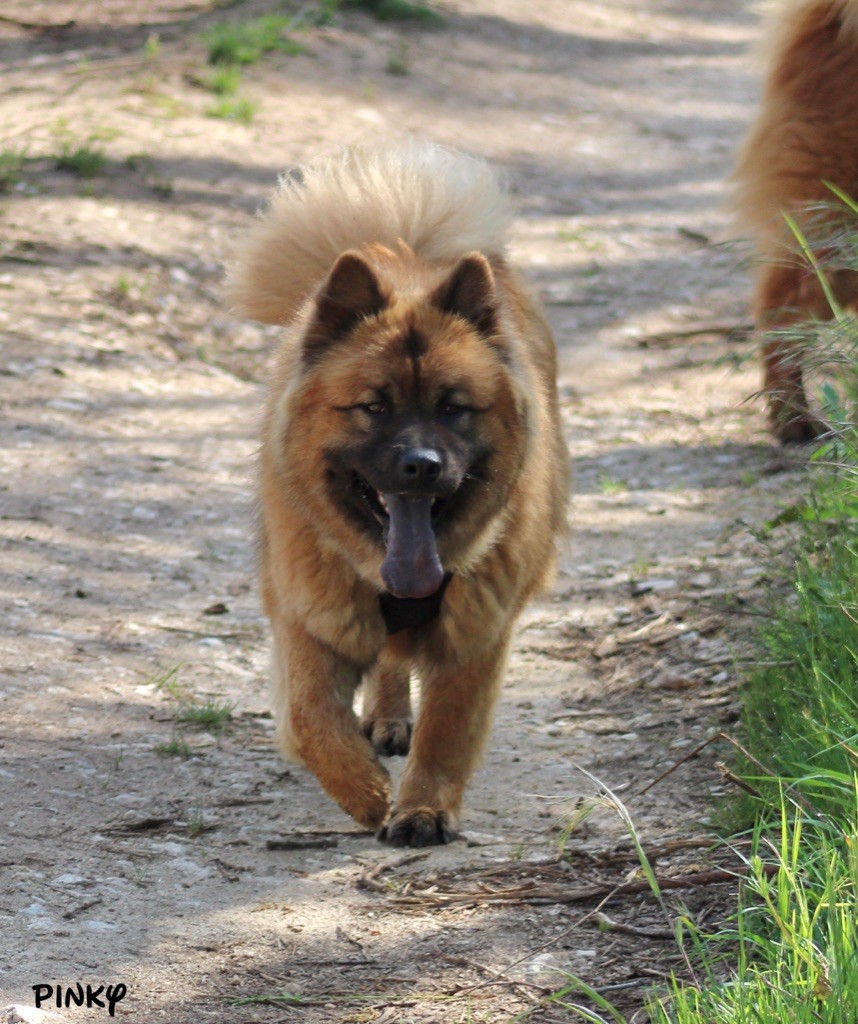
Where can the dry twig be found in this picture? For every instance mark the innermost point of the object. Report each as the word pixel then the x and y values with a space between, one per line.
pixel 607 924
pixel 368 879
pixel 732 331
pixel 81 907
pixel 531 893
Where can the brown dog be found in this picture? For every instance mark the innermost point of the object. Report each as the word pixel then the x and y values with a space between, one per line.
pixel 805 135
pixel 413 476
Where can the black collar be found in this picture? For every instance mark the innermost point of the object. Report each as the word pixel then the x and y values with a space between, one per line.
pixel 404 612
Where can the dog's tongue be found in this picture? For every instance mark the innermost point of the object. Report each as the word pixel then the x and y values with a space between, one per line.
pixel 411 567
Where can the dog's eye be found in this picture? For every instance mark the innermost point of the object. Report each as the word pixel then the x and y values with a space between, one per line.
pixel 451 411
pixel 376 408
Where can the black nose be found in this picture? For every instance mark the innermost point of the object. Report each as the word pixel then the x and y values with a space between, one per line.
pixel 419 467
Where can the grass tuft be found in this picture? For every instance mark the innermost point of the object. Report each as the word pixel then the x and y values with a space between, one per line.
pixel 11 168
pixel 244 42
pixel 176 746
pixel 86 160
pixel 233 109
pixel 168 682
pixel 397 60
pixel 795 935
pixel 223 80
pixel 213 715
pixel 397 10
pixel 789 955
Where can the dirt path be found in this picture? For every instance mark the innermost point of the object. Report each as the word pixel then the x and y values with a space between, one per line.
pixel 134 847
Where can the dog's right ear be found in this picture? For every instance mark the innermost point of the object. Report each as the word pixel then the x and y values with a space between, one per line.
pixel 350 294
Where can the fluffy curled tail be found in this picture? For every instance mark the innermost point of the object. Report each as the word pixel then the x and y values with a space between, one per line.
pixel 441 203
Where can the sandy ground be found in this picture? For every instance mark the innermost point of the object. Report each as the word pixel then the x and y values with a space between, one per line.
pixel 135 846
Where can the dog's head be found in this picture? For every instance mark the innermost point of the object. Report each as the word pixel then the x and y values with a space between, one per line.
pixel 409 406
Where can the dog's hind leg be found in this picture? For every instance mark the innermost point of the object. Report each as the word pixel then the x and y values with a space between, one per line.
pixel 780 302
pixel 386 720
pixel 785 296
pixel 313 691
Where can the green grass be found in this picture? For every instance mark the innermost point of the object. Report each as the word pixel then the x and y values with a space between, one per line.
pixel 245 42
pixel 316 15
pixel 223 80
pixel 802 706
pixel 233 109
pixel 608 485
pixel 795 934
pixel 198 824
pixel 792 955
pixel 167 681
pixel 396 10
pixel 86 159
pixel 397 60
pixel 11 168
pixel 176 746
pixel 790 952
pixel 145 165
pixel 213 715
pixel 152 47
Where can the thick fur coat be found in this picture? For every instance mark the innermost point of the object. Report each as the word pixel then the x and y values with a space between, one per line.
pixel 411 443
pixel 806 134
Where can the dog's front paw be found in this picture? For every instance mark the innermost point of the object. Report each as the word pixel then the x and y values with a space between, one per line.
pixel 390 737
pixel 366 799
pixel 420 826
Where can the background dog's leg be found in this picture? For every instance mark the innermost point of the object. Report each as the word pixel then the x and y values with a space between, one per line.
pixel 781 300
pixel 785 296
pixel 315 723
pixel 454 720
pixel 387 721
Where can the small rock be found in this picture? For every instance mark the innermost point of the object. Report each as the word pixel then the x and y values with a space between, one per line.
pixel 541 968
pixel 701 581
pixel 30 1015
pixel 142 512
pixel 673 680
pixel 99 926
pixel 70 879
pixel 605 648
pixel 483 839
pixel 190 869
pixel 34 910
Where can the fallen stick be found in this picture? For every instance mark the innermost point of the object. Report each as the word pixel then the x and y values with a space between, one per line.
pixel 536 895
pixel 368 879
pixel 81 907
pixel 699 330
pixel 301 843
pixel 36 26
pixel 150 824
pixel 607 924
pixel 731 777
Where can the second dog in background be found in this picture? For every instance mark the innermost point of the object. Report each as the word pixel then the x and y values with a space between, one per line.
pixel 805 135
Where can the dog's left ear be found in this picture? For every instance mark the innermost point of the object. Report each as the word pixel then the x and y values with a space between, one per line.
pixel 469 292
pixel 350 294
